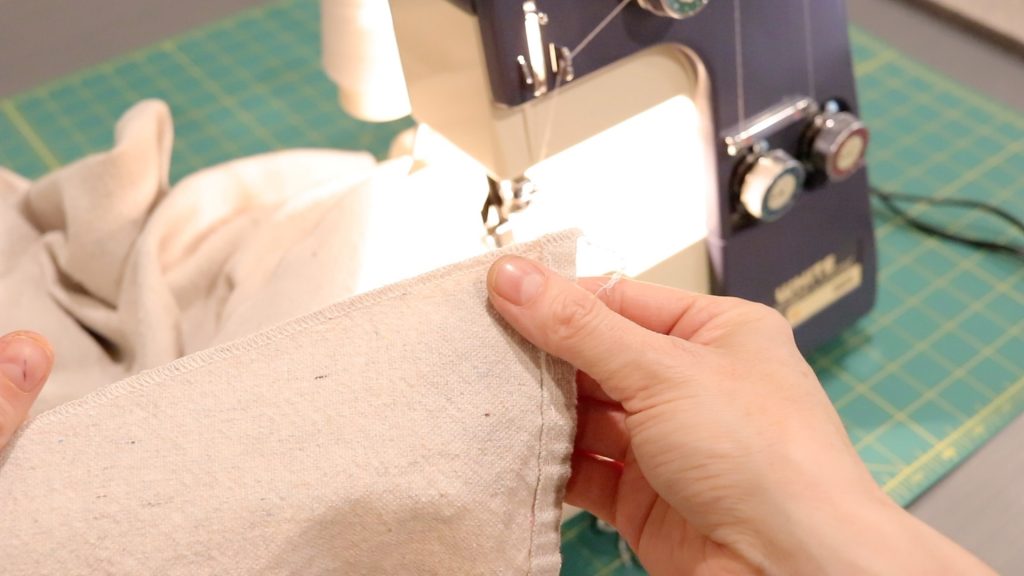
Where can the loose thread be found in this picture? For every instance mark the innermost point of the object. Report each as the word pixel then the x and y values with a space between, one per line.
pixel 617 271
pixel 611 283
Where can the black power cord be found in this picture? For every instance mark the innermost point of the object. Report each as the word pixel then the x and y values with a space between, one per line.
pixel 892 200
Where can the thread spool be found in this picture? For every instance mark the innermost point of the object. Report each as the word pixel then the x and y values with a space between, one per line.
pixel 360 54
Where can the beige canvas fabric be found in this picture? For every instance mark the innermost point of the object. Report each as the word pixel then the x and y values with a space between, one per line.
pixel 403 431
pixel 124 273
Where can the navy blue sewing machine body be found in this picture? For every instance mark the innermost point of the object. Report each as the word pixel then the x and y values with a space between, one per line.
pixel 790 226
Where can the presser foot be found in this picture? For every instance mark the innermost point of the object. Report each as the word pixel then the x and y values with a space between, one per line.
pixel 505 199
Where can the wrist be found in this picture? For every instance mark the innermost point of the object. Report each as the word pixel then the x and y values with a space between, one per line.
pixel 839 533
pixel 866 534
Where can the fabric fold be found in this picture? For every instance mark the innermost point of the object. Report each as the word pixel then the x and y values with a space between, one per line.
pixel 124 272
pixel 404 431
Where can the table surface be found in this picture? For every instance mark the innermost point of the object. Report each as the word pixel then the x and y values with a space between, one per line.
pixel 932 373
pixel 1003 19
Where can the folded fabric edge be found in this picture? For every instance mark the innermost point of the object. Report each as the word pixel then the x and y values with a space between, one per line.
pixel 558 422
pixel 556 381
pixel 253 341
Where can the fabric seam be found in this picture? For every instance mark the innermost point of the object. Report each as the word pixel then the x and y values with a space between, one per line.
pixel 212 356
pixel 556 377
pixel 534 529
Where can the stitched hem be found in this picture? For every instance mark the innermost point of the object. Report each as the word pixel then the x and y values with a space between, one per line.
pixel 252 342
pixel 556 409
pixel 555 442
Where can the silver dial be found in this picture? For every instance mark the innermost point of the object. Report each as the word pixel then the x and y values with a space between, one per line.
pixel 772 185
pixel 677 9
pixel 840 146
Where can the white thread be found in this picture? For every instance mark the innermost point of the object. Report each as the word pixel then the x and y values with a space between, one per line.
pixel 741 106
pixel 611 261
pixel 604 24
pixel 560 77
pixel 550 122
pixel 811 80
pixel 610 284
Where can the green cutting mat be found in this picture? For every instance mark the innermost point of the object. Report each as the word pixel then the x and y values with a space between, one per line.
pixel 933 372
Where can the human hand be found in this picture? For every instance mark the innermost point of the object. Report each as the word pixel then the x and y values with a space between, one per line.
pixel 705 437
pixel 26 359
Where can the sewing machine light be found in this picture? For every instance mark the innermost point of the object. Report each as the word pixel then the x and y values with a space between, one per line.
pixel 639 206
pixel 642 208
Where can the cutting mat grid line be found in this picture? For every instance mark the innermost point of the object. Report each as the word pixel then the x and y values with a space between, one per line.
pixel 933 372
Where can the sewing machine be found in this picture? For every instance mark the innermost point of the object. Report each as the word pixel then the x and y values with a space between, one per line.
pixel 712 145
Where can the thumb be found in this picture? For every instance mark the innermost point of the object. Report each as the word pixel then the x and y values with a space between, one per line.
pixel 569 322
pixel 25 362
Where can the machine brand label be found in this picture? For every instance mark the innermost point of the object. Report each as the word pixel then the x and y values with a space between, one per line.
pixel 819 286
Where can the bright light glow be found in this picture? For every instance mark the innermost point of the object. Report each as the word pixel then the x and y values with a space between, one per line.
pixel 639 191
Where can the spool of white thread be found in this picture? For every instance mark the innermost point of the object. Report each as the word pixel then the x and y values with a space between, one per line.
pixel 360 55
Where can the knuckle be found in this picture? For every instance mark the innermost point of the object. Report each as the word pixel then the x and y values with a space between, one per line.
pixel 773 318
pixel 573 316
pixel 758 312
pixel 753 308
pixel 773 324
pixel 735 301
pixel 750 310
pixel 761 318
pixel 765 311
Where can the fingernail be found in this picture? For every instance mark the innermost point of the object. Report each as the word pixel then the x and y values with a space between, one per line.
pixel 517 280
pixel 23 361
